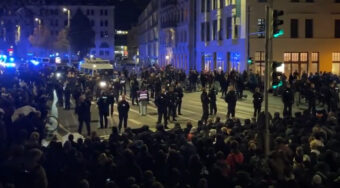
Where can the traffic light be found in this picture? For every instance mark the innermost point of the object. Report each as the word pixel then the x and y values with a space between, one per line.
pixel 277 22
pixel 250 60
pixel 276 81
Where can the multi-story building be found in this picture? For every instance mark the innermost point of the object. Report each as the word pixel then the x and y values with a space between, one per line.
pixel 55 18
pixel 221 37
pixel 148 26
pixel 132 44
pixel 177 33
pixel 311 35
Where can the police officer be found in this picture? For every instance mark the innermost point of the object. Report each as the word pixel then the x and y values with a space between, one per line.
pixel 311 97
pixel 111 101
pixel 332 98
pixel 161 102
pixel 59 90
pixel 257 101
pixel 231 99
pixel 134 89
pixel 67 96
pixel 123 111
pixel 84 114
pixel 116 88
pixel 179 91
pixel 212 101
pixel 103 107
pixel 288 101
pixel 172 103
pixel 205 106
pixel 122 84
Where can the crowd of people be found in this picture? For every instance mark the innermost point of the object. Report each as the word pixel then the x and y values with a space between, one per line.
pixel 208 153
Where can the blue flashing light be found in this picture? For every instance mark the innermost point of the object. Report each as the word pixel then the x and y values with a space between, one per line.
pixel 29 54
pixel 11 59
pixel 7 65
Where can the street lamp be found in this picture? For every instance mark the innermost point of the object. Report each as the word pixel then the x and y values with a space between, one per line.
pixel 68 11
pixel 38 20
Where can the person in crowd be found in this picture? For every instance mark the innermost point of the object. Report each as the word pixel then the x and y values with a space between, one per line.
pixel 179 94
pixel 231 99
pixel 171 95
pixel 122 82
pixel 59 91
pixel 288 101
pixel 212 101
pixel 143 101
pixel 67 96
pixel 134 89
pixel 103 108
pixel 111 101
pixel 84 114
pixel 123 111
pixel 332 98
pixel 311 97
pixel 257 101
pixel 205 106
pixel 162 103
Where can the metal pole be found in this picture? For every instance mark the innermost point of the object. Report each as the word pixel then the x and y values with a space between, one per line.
pixel 267 72
pixel 68 26
pixel 248 34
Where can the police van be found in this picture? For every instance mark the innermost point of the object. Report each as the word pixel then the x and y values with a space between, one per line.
pixel 96 67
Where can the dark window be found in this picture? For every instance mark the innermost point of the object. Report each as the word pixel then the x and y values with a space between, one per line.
pixel 214 7
pixel 220 32
pixel 337 1
pixel 208 31
pixel 202 31
pixel 214 30
pixel 309 28
pixel 101 34
pixel 87 12
pixel 262 1
pixel 57 23
pixel 294 28
pixel 202 5
pixel 228 27
pixel 101 23
pixel 309 1
pixel 208 5
pixel 101 12
pixel 92 12
pixel 294 1
pixel 92 23
pixel 65 23
pixel 105 12
pixel 106 23
pixel 337 28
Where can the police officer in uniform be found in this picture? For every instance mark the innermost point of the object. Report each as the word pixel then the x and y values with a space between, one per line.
pixel 231 99
pixel 84 114
pixel 103 106
pixel 212 100
pixel 311 96
pixel 123 110
pixel 205 106
pixel 257 101
pixel 179 92
pixel 172 103
pixel 288 101
pixel 162 105
pixel 67 96
pixel 111 101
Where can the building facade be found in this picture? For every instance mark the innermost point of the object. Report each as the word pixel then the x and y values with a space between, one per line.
pixel 148 31
pixel 132 44
pixel 101 17
pixel 311 40
pixel 177 34
pixel 221 37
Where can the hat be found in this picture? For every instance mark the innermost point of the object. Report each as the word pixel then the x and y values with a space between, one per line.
pixel 316 179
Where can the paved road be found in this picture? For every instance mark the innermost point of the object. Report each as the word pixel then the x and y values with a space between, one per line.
pixel 191 110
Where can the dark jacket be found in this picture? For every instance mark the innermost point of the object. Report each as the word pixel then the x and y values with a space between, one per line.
pixel 257 99
pixel 84 110
pixel 212 95
pixel 103 105
pixel 161 102
pixel 205 100
pixel 288 96
pixel 231 98
pixel 123 107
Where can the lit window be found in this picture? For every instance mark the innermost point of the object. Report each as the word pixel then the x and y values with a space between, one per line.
pixel 315 57
pixel 295 57
pixel 259 56
pixel 287 57
pixel 303 57
pixel 336 56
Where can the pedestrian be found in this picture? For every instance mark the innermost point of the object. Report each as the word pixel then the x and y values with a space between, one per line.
pixel 179 91
pixel 311 97
pixel 59 91
pixel 257 101
pixel 231 99
pixel 123 111
pixel 84 114
pixel 161 102
pixel 103 107
pixel 122 82
pixel 143 101
pixel 205 106
pixel 134 89
pixel 332 98
pixel 172 103
pixel 111 101
pixel 288 101
pixel 212 101
pixel 67 96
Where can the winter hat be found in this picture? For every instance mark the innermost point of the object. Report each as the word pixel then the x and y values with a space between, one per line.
pixel 316 180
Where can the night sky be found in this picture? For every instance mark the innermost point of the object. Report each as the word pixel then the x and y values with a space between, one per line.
pixel 127 12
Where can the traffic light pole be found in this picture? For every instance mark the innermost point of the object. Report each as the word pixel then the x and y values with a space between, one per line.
pixel 268 57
